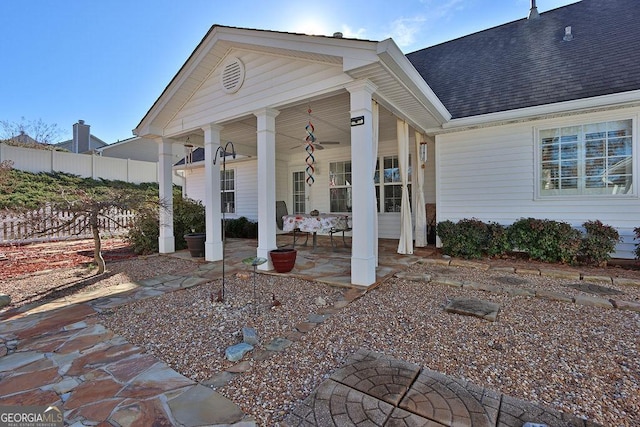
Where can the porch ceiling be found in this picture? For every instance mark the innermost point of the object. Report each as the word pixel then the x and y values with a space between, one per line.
pixel 330 117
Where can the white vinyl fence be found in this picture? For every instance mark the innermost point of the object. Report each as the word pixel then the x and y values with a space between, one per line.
pixel 84 165
pixel 16 229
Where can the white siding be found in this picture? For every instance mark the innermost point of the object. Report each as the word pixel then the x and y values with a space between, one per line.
pixel 489 174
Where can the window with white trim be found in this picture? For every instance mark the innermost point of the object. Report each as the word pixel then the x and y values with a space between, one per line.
pixel 390 189
pixel 228 191
pixel 591 159
pixel 340 186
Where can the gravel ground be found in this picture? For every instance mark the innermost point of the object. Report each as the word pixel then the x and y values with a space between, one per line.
pixel 578 359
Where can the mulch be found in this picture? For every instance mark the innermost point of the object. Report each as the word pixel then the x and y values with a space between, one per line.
pixel 19 260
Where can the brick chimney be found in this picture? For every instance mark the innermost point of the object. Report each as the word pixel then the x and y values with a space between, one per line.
pixel 81 135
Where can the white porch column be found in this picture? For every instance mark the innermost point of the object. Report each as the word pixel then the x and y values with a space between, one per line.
pixel 266 140
pixel 363 258
pixel 166 241
pixel 213 250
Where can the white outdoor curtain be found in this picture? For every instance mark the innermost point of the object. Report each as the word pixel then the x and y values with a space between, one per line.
pixel 418 205
pixel 405 246
pixel 375 119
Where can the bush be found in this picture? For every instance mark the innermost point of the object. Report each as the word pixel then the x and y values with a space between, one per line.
pixel 188 216
pixel 467 238
pixel 545 240
pixel 241 228
pixel 497 240
pixel 598 243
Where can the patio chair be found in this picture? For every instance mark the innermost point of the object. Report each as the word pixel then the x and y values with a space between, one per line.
pixel 281 210
pixel 340 230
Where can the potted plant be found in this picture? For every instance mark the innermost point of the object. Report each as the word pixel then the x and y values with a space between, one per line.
pixel 283 259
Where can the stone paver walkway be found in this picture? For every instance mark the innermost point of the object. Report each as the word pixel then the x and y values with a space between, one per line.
pixel 57 354
pixel 376 390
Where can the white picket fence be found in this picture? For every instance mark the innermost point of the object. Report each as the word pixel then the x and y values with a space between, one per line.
pixel 84 165
pixel 18 229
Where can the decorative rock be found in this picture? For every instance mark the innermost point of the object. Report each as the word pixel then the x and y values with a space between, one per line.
pixel 237 352
pixel 598 279
pixel 482 287
pixel 560 274
pixel 553 296
pixel 317 318
pixel 5 300
pixel 279 344
pixel 474 307
pixel 220 379
pixel 413 277
pixel 593 301
pixel 436 261
pixel 522 292
pixel 592 288
pixel 528 271
pixel 469 264
pixel 623 281
pixel 320 302
pixel 250 336
pixel 448 282
pixel 626 305
pixel 240 367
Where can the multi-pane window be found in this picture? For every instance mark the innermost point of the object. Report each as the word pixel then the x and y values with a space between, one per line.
pixel 390 190
pixel 228 191
pixel 590 159
pixel 340 186
pixel 299 194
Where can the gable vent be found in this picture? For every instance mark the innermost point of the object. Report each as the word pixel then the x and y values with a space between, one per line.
pixel 232 75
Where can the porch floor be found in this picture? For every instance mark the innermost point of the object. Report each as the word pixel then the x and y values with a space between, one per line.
pixel 325 264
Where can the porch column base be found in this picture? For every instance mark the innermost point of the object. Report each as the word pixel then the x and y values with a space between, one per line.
pixel 264 253
pixel 212 251
pixel 166 245
pixel 363 271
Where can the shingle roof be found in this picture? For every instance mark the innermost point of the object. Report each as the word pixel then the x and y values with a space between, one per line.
pixel 527 63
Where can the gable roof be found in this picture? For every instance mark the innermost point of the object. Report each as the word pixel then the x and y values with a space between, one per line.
pixel 527 63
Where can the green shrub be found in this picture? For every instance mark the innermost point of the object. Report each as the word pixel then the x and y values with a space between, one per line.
pixel 188 217
pixel 241 228
pixel 598 243
pixel 467 238
pixel 545 240
pixel 497 240
pixel 636 232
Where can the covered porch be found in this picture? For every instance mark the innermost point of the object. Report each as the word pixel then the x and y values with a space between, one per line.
pixel 254 96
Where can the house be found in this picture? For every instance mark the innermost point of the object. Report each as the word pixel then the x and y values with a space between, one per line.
pixel 83 142
pixel 537 117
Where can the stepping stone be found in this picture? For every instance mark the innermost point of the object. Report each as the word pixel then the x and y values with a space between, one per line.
pixel 5 300
pixel 474 307
pixel 451 401
pixel 509 280
pixel 334 404
pixel 317 318
pixel 384 378
pixel 414 277
pixel 592 288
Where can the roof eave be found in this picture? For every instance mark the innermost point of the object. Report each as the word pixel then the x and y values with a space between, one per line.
pixel 393 58
pixel 539 112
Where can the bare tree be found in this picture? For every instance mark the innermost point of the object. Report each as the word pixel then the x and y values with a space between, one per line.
pixel 90 209
pixel 30 133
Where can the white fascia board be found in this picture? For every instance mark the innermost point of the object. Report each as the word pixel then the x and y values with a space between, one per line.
pixel 351 50
pixel 541 111
pixel 393 58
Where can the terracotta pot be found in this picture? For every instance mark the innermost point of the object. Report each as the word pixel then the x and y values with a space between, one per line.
pixel 195 243
pixel 283 259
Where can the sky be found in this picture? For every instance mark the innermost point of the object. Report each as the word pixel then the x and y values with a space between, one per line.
pixel 107 61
